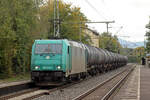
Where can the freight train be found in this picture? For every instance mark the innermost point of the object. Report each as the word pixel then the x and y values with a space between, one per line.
pixel 56 61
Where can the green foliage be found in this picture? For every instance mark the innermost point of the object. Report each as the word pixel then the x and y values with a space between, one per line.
pixel 17 20
pixel 148 38
pixel 109 42
pixel 14 78
pixel 132 59
pixel 69 17
pixel 23 21
pixel 134 55
pixel 139 52
pixel 127 51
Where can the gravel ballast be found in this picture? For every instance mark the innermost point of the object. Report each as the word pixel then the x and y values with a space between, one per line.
pixel 71 92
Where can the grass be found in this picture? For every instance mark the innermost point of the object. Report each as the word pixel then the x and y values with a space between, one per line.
pixel 14 78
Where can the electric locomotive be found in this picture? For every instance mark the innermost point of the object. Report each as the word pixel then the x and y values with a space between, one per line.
pixel 54 60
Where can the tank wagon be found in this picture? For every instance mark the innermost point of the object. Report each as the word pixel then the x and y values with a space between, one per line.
pixel 55 61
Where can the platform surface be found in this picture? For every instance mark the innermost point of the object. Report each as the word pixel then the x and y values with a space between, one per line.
pixel 2 85
pixel 145 83
pixel 130 89
pixel 137 87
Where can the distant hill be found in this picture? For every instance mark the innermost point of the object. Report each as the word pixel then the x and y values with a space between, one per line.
pixel 129 44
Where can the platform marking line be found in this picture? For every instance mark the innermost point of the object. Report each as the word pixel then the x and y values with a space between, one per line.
pixel 138 98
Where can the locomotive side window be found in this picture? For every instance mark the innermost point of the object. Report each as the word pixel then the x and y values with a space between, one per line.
pixel 48 48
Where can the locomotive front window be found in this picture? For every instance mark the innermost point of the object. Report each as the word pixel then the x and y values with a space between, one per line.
pixel 55 48
pixel 48 48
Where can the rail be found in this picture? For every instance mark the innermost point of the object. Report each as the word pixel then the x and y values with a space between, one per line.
pixel 85 94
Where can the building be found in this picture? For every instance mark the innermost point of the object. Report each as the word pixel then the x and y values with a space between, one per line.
pixel 94 36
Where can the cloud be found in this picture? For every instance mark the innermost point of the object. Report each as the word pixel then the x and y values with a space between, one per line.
pixel 133 15
pixel 141 3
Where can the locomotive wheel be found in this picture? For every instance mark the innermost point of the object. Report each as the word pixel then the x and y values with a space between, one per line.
pixel 94 72
pixel 76 77
pixel 91 72
pixel 83 75
pixel 68 79
pixel 103 69
pixel 79 76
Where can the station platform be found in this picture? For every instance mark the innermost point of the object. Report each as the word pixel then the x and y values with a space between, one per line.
pixel 137 86
pixel 144 83
pixel 130 89
pixel 7 84
pixel 6 88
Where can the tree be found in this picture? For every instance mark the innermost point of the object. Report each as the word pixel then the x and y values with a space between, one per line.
pixel 109 42
pixel 68 17
pixel 17 20
pixel 148 38
pixel 23 21
pixel 139 52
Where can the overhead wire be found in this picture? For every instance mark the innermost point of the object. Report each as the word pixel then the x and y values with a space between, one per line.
pixel 102 15
pixel 95 9
pixel 99 13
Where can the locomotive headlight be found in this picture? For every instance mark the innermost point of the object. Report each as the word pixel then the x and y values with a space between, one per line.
pixel 47 57
pixel 37 67
pixel 58 67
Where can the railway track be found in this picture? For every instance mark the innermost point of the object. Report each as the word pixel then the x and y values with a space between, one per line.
pixel 61 88
pixel 15 94
pixel 7 88
pixel 33 93
pixel 107 88
pixel 54 89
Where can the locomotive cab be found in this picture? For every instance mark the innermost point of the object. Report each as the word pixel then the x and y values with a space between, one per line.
pixel 47 64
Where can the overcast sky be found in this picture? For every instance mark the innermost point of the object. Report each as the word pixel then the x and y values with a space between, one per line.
pixel 133 15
